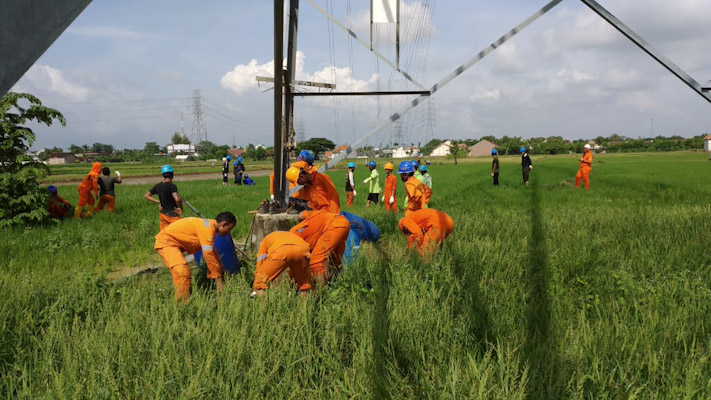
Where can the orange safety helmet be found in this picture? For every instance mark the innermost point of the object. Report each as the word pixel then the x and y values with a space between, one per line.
pixel 389 166
pixel 292 174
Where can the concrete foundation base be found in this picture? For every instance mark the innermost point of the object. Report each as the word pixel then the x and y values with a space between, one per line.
pixel 265 224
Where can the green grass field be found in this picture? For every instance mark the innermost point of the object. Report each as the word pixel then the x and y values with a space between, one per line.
pixel 541 292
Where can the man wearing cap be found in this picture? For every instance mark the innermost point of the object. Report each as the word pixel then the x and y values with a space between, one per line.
pixel 417 193
pixel 239 169
pixel 56 206
pixel 426 178
pixel 171 206
pixel 192 235
pixel 389 197
pixel 318 189
pixel 526 165
pixel 350 184
pixel 426 229
pixel 585 167
pixel 374 187
pixel 495 166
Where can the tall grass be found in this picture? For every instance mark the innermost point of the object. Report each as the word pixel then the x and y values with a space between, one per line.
pixel 540 292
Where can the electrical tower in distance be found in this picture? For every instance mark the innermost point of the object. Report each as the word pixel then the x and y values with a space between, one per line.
pixel 301 131
pixel 199 132
pixel 431 121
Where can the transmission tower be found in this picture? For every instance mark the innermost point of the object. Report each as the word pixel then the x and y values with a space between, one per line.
pixel 301 131
pixel 199 132
pixel 431 120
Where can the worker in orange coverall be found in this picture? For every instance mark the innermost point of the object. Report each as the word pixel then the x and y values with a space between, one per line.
pixel 585 167
pixel 57 207
pixel 426 229
pixel 389 197
pixel 326 234
pixel 192 235
pixel 318 188
pixel 277 252
pixel 89 183
pixel 418 194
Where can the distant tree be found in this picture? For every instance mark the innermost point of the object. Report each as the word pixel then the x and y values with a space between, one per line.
pixel 151 148
pixel 44 156
pixel 102 148
pixel 75 149
pixel 317 145
pixel 430 146
pixel 179 139
pixel 255 153
pixel 455 150
pixel 22 201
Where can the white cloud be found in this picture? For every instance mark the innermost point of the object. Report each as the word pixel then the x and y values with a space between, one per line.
pixel 640 101
pixel 481 95
pixel 620 78
pixel 243 77
pixel 509 59
pixel 43 78
pixel 565 77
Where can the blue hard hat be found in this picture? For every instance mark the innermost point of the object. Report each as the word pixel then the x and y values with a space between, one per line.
pixel 415 164
pixel 372 164
pixel 234 163
pixel 423 168
pixel 246 176
pixel 239 159
pixel 351 165
pixel 523 149
pixel 166 168
pixel 405 167
pixel 229 158
pixel 494 152
pixel 52 189
pixel 307 156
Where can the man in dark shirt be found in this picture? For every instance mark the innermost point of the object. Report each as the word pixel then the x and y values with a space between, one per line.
pixel 526 165
pixel 238 171
pixel 225 169
pixel 495 166
pixel 171 206
pixel 106 190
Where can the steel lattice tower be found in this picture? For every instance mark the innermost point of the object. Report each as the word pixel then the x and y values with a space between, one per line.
pixel 199 132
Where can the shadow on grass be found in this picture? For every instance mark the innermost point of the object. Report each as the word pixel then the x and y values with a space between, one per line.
pixel 540 349
pixel 380 332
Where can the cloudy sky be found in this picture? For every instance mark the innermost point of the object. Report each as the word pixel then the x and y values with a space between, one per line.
pixel 124 72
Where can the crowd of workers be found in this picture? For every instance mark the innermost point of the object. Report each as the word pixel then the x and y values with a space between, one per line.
pixel 313 250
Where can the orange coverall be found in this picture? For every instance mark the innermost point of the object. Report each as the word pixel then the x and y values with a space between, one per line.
pixel 89 183
pixel 390 188
pixel 190 235
pixel 418 195
pixel 57 206
pixel 326 234
pixel 425 229
pixel 322 194
pixel 279 251
pixel 584 171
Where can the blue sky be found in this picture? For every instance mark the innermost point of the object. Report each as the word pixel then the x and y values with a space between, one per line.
pixel 123 72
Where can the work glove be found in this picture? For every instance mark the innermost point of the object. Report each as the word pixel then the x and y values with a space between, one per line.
pixel 383 199
pixel 354 193
pixel 392 199
pixel 365 181
pixel 492 174
pixel 530 167
pixel 272 196
pixel 118 174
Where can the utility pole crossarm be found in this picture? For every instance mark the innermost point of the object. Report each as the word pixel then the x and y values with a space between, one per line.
pixel 299 83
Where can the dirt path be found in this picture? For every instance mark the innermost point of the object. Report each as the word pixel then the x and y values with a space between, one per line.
pixel 204 176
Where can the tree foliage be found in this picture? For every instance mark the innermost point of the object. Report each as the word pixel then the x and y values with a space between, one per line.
pixel 179 139
pixel 22 201
pixel 317 146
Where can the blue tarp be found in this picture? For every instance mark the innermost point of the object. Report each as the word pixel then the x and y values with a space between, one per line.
pixel 361 230
pixel 226 250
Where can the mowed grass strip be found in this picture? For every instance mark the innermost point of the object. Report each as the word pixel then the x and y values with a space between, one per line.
pixel 540 292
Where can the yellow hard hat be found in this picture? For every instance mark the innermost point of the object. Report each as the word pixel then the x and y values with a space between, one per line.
pixel 389 166
pixel 292 174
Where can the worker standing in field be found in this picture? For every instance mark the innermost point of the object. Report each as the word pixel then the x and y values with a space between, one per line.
pixel 225 169
pixel 171 206
pixel 374 187
pixel 326 234
pixel 426 177
pixel 57 207
pixel 426 229
pixel 417 175
pixel 318 189
pixel 239 170
pixel 585 167
pixel 192 235
pixel 277 252
pixel 526 165
pixel 495 166
pixel 390 197
pixel 418 195
pixel 106 190
pixel 88 184
pixel 350 184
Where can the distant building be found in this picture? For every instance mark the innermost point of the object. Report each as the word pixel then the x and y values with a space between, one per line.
pixel 180 148
pixel 406 152
pixel 707 143
pixel 481 149
pixel 442 150
pixel 61 158
pixel 236 152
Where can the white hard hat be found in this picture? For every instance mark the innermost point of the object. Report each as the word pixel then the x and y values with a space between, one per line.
pixel 587 146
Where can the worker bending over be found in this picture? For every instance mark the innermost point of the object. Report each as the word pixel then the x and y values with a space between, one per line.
pixel 106 190
pixel 326 234
pixel 426 229
pixel 89 183
pixel 277 252
pixel 192 235
pixel 585 167
pixel 418 195
pixel 171 206
pixel 57 207
pixel 389 197
pixel 318 189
